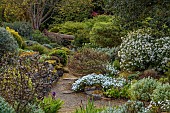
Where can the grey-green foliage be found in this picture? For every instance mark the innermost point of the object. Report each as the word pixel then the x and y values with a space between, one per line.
pixel 7 42
pixel 143 89
pixel 5 107
pixel 161 93
pixel 33 108
pixel 23 28
pixel 129 107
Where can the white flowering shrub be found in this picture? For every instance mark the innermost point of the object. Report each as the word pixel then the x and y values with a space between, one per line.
pixel 143 89
pixel 93 79
pixel 139 51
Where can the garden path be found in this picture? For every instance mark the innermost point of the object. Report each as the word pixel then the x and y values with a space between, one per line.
pixel 74 100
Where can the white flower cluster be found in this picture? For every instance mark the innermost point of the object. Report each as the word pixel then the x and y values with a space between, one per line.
pixel 164 105
pixel 139 51
pixel 111 70
pixel 92 79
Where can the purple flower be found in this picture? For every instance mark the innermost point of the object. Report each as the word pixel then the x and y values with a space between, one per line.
pixel 53 94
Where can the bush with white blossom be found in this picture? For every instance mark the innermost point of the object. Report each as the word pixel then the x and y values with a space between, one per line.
pixel 94 79
pixel 140 51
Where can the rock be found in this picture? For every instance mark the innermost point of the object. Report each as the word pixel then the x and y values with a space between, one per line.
pixel 68 92
pixel 65 70
pixel 67 76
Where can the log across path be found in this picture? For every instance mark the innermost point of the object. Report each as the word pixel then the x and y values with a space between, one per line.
pixel 73 100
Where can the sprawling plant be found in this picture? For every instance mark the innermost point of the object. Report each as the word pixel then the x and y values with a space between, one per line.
pixel 94 79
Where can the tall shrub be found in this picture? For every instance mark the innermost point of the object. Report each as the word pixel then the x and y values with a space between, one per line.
pixel 7 42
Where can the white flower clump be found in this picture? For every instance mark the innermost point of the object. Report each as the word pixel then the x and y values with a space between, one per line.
pixel 139 51
pixel 92 79
pixel 111 70
pixel 163 105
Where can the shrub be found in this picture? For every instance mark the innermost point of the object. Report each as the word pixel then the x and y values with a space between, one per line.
pixel 23 28
pixel 94 79
pixel 140 51
pixel 118 92
pixel 32 108
pixel 68 27
pixel 88 61
pixel 30 42
pixel 73 10
pixel 161 93
pixel 143 89
pixel 106 34
pixel 112 52
pixel 40 37
pixel 7 42
pixel 61 54
pixel 17 37
pixel 25 79
pixel 129 107
pixel 149 73
pixel 5 107
pixel 39 48
pixel 50 105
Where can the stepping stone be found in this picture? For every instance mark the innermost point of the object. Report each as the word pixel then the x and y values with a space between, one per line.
pixel 68 92
pixel 67 76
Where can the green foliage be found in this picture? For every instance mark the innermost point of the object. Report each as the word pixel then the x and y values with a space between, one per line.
pixel 7 42
pixel 168 71
pixel 50 105
pixel 5 107
pixel 39 37
pixel 88 61
pixel 114 93
pixel 23 28
pixel 30 42
pixel 118 92
pixel 133 76
pixel 78 29
pixel 143 89
pixel 116 64
pixel 73 10
pixel 89 108
pixel 129 107
pixel 17 37
pixel 161 93
pixel 68 27
pixel 106 34
pixel 33 108
pixel 61 54
pixel 133 10
pixel 39 48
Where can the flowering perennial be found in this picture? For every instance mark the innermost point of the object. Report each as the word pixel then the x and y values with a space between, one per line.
pixel 139 51
pixel 93 79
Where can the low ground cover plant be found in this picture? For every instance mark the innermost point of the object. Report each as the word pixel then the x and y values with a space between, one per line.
pixel 93 79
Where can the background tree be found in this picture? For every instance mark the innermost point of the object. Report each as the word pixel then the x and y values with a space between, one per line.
pixel 38 11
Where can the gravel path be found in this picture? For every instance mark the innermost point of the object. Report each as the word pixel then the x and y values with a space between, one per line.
pixel 74 100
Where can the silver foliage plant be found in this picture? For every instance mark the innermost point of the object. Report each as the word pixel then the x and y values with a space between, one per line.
pixel 92 79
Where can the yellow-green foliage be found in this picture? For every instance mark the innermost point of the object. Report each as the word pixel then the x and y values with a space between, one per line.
pixel 17 37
